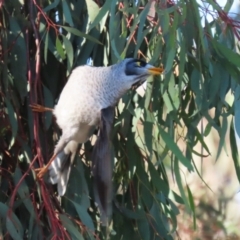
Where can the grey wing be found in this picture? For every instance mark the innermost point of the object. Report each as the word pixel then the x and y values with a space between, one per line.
pixel 102 166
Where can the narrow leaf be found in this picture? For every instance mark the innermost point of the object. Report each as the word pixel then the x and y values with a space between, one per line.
pixel 51 6
pixel 191 201
pixel 93 9
pixel 46 46
pixel 13 224
pixel 13 121
pixel 60 49
pixel 103 11
pixel 81 34
pixel 180 185
pixel 83 215
pixel 175 149
pixel 71 228
pixel 67 13
pixel 234 143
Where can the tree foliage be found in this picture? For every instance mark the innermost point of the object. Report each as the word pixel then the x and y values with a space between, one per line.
pixel 42 41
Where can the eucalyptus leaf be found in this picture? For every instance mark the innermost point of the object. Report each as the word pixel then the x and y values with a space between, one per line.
pixel 81 34
pixel 13 121
pixel 158 137
pixel 71 228
pixel 13 224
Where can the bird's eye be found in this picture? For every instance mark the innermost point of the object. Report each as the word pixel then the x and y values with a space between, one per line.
pixel 133 66
pixel 140 64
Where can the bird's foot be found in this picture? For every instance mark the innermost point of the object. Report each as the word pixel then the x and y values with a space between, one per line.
pixel 41 172
pixel 39 108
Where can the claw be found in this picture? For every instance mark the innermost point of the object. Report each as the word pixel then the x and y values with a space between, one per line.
pixel 37 170
pixel 43 170
pixel 39 108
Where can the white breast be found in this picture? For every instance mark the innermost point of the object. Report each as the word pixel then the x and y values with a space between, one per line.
pixel 88 90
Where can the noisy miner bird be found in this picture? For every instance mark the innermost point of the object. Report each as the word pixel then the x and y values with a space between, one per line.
pixel 86 102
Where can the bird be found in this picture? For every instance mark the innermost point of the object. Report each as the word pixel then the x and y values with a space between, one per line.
pixel 87 102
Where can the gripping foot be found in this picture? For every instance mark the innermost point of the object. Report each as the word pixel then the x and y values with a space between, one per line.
pixel 43 170
pixel 40 108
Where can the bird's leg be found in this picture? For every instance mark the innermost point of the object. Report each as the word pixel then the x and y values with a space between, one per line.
pixel 60 146
pixel 39 108
pixel 43 170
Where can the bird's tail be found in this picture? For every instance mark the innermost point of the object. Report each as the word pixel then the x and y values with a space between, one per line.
pixel 60 168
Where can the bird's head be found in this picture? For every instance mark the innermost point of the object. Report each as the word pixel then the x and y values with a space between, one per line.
pixel 134 71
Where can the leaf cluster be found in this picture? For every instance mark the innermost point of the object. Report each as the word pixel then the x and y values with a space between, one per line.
pixel 42 41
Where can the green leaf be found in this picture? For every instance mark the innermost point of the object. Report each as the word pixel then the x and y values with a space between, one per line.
pixel 207 130
pixel 173 93
pixel 71 228
pixel 141 34
pixel 46 46
pixel 175 149
pixel 48 102
pixel 164 20
pixel 174 208
pixel 115 51
pixel 101 14
pixel 237 110
pixel 158 222
pixel 23 192
pixel 171 56
pixel 136 214
pixel 112 22
pixel 191 201
pixel 195 80
pixel 200 138
pixel 69 52
pixel 195 8
pixel 83 215
pixel 173 220
pixel 180 185
pixel 144 228
pixel 148 95
pixel 228 54
pixel 202 74
pixel 77 192
pixel 51 6
pixel 13 224
pixel 60 49
pixel 93 10
pixel 235 143
pixel 13 121
pixel 18 54
pixel 67 16
pixel 148 129
pixel 215 5
pixel 81 34
pixel 87 48
pixel 228 6
pixel 157 181
pixel 168 102
pixel 215 82
pixel 12 229
pixel 182 59
pixel 222 135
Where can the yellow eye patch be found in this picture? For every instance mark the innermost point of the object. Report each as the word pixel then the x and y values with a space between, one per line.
pixel 139 63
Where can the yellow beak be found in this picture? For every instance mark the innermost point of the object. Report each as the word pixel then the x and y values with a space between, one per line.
pixel 155 71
